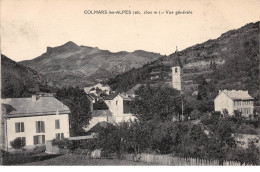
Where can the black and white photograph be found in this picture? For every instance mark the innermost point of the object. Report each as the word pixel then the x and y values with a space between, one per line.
pixel 130 83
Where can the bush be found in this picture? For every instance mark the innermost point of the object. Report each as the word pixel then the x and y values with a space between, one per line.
pixel 39 149
pixel 195 114
pixel 16 143
pixel 62 143
pixel 247 129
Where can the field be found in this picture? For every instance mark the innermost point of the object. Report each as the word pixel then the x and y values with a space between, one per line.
pixel 72 160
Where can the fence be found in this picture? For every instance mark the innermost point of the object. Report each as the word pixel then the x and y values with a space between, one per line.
pixel 177 161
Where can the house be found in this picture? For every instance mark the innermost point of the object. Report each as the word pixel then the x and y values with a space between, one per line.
pixel 131 93
pixel 98 127
pixel 232 100
pixel 99 116
pixel 119 105
pixel 34 120
pixel 94 89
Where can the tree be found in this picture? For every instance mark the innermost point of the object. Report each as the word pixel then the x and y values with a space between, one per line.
pixel 252 154
pixel 77 101
pixel 156 103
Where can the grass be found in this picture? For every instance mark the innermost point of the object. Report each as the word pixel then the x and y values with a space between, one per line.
pixel 74 160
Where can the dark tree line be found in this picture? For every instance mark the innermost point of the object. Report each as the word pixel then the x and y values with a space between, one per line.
pixel 77 101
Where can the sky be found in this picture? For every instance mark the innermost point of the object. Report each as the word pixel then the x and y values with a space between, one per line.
pixel 28 27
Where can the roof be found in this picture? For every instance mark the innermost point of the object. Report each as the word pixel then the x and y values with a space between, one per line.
pixel 132 90
pixel 92 95
pixel 111 96
pixel 23 107
pixel 81 137
pixel 125 97
pixel 99 126
pixel 237 94
pixel 99 113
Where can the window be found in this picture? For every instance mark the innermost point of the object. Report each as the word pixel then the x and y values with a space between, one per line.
pixel 38 139
pixel 19 127
pixel 23 141
pixel 40 127
pixel 176 70
pixel 57 124
pixel 59 136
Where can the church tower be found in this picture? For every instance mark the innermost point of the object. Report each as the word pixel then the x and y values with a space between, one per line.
pixel 177 74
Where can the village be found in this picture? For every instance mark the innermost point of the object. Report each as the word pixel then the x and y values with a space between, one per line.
pixel 36 122
pixel 132 83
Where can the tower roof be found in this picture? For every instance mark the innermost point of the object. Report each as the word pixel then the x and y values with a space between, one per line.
pixel 177 60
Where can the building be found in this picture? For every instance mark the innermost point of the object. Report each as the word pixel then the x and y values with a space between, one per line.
pixel 131 93
pixel 119 105
pixel 34 120
pixel 232 100
pixel 177 77
pixel 94 89
pixel 99 116
pixel 177 72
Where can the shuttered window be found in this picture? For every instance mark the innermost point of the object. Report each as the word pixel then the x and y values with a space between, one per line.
pixel 19 127
pixel 57 124
pixel 23 141
pixel 59 136
pixel 40 127
pixel 38 139
pixel 62 135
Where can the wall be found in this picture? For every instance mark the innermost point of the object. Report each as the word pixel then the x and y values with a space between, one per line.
pixel 30 127
pixel 222 101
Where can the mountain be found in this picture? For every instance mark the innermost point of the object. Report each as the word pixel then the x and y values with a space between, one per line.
pixel 74 65
pixel 20 81
pixel 228 62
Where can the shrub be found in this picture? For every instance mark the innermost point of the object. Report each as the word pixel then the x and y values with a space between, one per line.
pixel 62 143
pixel 247 129
pixel 16 143
pixel 195 114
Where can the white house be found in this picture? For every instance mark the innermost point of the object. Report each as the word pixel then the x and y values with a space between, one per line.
pixel 34 120
pixel 93 89
pixel 232 100
pixel 119 105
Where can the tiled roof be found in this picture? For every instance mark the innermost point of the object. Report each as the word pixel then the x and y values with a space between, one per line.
pixel 21 107
pixel 238 94
pixel 132 90
pixel 97 113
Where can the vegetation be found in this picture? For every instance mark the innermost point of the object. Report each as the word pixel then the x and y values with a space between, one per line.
pixel 17 143
pixel 100 105
pixel 157 103
pixel 79 105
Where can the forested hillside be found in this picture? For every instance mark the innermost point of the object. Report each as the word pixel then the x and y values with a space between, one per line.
pixel 228 62
pixel 20 81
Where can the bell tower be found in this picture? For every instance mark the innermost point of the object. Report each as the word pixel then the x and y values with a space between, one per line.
pixel 177 74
